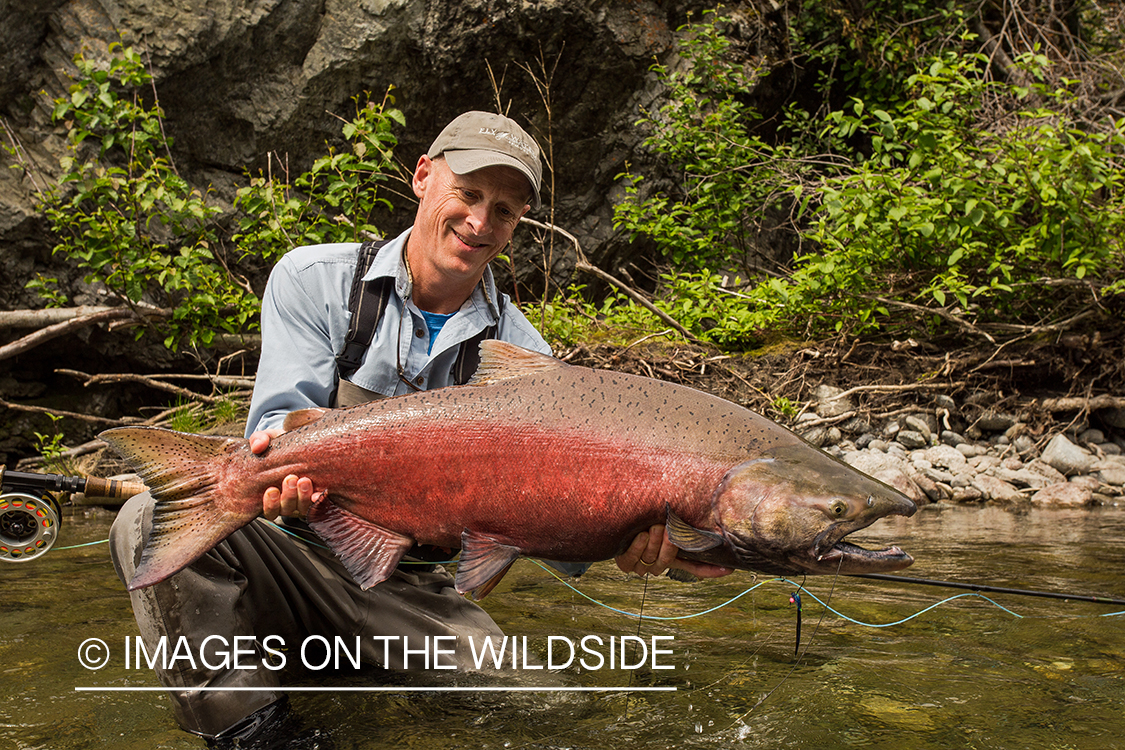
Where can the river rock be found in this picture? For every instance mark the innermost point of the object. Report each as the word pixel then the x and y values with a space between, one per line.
pixel 912 439
pixel 1087 482
pixel 1022 477
pixel 1067 457
pixel 856 426
pixel 1091 436
pixel 1113 417
pixel 968 494
pixel 920 425
pixel 1112 473
pixel 997 489
pixel 946 457
pixel 951 438
pixel 829 404
pixel 1065 494
pixel 889 468
pixel 1048 472
pixel 1024 445
pixel 971 450
pixel 996 422
pixel 816 436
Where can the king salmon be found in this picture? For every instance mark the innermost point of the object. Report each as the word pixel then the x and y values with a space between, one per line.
pixel 532 457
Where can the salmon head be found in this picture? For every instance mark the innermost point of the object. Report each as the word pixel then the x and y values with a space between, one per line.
pixel 789 509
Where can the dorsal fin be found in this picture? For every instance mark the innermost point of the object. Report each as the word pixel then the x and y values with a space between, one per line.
pixel 500 360
pixel 302 417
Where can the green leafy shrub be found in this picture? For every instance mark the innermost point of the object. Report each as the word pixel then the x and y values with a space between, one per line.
pixel 727 174
pixel 975 198
pixel 123 214
pixel 334 201
pixel 949 208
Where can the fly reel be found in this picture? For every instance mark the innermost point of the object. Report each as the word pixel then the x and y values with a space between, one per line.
pixel 29 514
pixel 29 526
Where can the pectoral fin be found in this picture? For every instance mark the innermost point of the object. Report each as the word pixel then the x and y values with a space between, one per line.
pixel 482 564
pixel 302 417
pixel 687 537
pixel 368 551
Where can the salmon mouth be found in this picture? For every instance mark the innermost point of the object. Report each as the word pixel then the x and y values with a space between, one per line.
pixel 847 558
pixel 836 555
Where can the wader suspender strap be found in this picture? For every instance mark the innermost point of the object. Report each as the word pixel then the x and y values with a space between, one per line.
pixel 367 302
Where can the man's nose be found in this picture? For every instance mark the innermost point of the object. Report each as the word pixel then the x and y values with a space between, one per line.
pixel 480 218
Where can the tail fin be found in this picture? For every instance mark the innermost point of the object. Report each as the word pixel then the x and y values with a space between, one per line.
pixel 178 469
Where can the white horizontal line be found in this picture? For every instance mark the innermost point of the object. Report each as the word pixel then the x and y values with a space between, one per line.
pixel 512 689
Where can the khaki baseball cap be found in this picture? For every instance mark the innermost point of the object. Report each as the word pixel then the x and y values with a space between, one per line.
pixel 476 140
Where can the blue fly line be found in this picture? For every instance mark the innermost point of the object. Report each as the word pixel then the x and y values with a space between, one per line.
pixel 800 587
pixel 709 610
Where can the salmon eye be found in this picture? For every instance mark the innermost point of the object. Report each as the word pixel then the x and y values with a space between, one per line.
pixel 837 508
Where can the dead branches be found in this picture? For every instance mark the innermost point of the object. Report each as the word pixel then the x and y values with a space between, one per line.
pixel 159 382
pixel 61 321
pixel 584 265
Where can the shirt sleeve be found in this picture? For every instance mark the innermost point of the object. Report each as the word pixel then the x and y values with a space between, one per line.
pixel 516 329
pixel 297 369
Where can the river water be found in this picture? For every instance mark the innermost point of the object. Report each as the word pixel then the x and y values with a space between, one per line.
pixel 1013 672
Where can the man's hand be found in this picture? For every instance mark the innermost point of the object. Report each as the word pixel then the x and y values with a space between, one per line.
pixel 294 497
pixel 651 553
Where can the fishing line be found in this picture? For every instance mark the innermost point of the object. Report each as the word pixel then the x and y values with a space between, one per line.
pixel 797 653
pixel 990 589
pixel 84 544
pixel 640 620
pixel 801 587
pixel 975 587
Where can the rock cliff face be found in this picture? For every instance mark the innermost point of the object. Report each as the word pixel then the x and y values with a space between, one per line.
pixel 241 79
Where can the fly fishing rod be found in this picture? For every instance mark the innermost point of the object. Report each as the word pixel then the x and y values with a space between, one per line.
pixel 30 515
pixel 979 587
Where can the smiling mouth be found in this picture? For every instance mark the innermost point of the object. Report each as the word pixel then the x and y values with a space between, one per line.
pixel 466 243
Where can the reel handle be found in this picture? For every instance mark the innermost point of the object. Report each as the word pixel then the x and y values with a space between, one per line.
pixel 37 484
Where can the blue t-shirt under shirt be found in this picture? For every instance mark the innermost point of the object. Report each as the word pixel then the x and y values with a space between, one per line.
pixel 434 322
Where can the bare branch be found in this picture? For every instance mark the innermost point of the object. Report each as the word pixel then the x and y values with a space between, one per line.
pixel 104 315
pixel 582 264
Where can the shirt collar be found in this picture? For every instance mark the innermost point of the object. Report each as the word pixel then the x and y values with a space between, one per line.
pixel 390 263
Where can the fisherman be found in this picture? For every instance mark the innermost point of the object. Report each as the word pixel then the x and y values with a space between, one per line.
pixel 434 299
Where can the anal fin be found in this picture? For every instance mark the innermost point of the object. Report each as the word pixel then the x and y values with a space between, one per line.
pixel 368 551
pixel 482 564
pixel 687 537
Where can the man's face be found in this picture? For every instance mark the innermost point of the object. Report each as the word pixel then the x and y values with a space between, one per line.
pixel 464 221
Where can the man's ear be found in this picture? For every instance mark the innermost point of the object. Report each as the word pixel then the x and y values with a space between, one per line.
pixel 422 172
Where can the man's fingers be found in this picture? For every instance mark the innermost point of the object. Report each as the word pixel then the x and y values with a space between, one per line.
pixel 701 570
pixel 304 495
pixel 271 504
pixel 260 440
pixel 628 560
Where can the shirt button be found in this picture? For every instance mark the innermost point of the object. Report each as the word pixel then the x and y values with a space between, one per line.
pixel 419 333
pixel 419 380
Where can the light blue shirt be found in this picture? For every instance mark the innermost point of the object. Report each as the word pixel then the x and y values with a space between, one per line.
pixel 305 321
